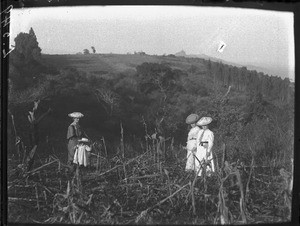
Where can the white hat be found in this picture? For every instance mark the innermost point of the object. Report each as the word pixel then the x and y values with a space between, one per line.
pixel 204 121
pixel 75 115
pixel 83 140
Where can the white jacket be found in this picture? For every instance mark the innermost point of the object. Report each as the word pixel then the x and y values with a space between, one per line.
pixel 208 136
pixel 192 137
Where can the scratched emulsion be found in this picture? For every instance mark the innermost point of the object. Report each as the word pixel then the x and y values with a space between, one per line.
pixel 4 24
pixel 221 47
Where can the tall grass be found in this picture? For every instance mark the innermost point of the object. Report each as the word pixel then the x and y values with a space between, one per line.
pixel 151 187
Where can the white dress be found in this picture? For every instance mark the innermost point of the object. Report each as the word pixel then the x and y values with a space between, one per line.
pixel 80 156
pixel 208 136
pixel 191 146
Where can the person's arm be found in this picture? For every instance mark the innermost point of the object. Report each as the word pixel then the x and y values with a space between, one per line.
pixel 210 143
pixel 71 132
pixel 81 132
pixel 189 136
pixel 88 148
pixel 198 139
pixel 84 134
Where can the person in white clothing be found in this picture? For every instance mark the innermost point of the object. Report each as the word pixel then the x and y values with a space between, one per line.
pixel 82 149
pixel 191 145
pixel 205 141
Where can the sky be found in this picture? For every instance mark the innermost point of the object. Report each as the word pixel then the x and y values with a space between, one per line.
pixel 261 38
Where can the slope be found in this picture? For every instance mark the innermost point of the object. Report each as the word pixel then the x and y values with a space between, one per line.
pixel 100 64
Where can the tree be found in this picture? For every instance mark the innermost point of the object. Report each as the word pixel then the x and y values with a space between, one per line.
pixel 219 75
pixel 108 99
pixel 25 61
pixel 93 49
pixel 27 48
pixel 86 51
pixel 242 78
pixel 158 83
pixel 31 32
pixel 158 77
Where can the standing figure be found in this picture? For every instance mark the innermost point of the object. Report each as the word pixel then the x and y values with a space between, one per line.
pixel 191 144
pixel 82 151
pixel 73 135
pixel 205 141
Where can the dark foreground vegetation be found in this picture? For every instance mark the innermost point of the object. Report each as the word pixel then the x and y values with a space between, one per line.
pixel 134 177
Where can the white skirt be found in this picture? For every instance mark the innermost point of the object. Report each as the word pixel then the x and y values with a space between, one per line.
pixel 190 159
pixel 201 156
pixel 80 157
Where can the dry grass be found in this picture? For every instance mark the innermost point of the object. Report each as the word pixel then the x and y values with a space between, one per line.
pixel 137 191
pixel 149 188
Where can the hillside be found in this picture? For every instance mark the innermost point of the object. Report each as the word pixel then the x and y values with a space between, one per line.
pixel 99 64
pixel 271 70
pixel 225 72
pixel 110 88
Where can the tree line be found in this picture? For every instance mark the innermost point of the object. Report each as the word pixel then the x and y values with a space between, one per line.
pixel 271 87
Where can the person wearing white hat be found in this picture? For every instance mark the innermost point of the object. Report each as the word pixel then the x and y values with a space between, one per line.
pixel 205 141
pixel 82 149
pixel 73 135
pixel 191 145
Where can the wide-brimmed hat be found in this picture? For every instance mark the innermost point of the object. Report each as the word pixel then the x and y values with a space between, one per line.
pixel 83 140
pixel 204 121
pixel 76 115
pixel 192 118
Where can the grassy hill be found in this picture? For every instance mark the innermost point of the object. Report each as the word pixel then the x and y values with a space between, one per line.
pixel 199 83
pixel 99 64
